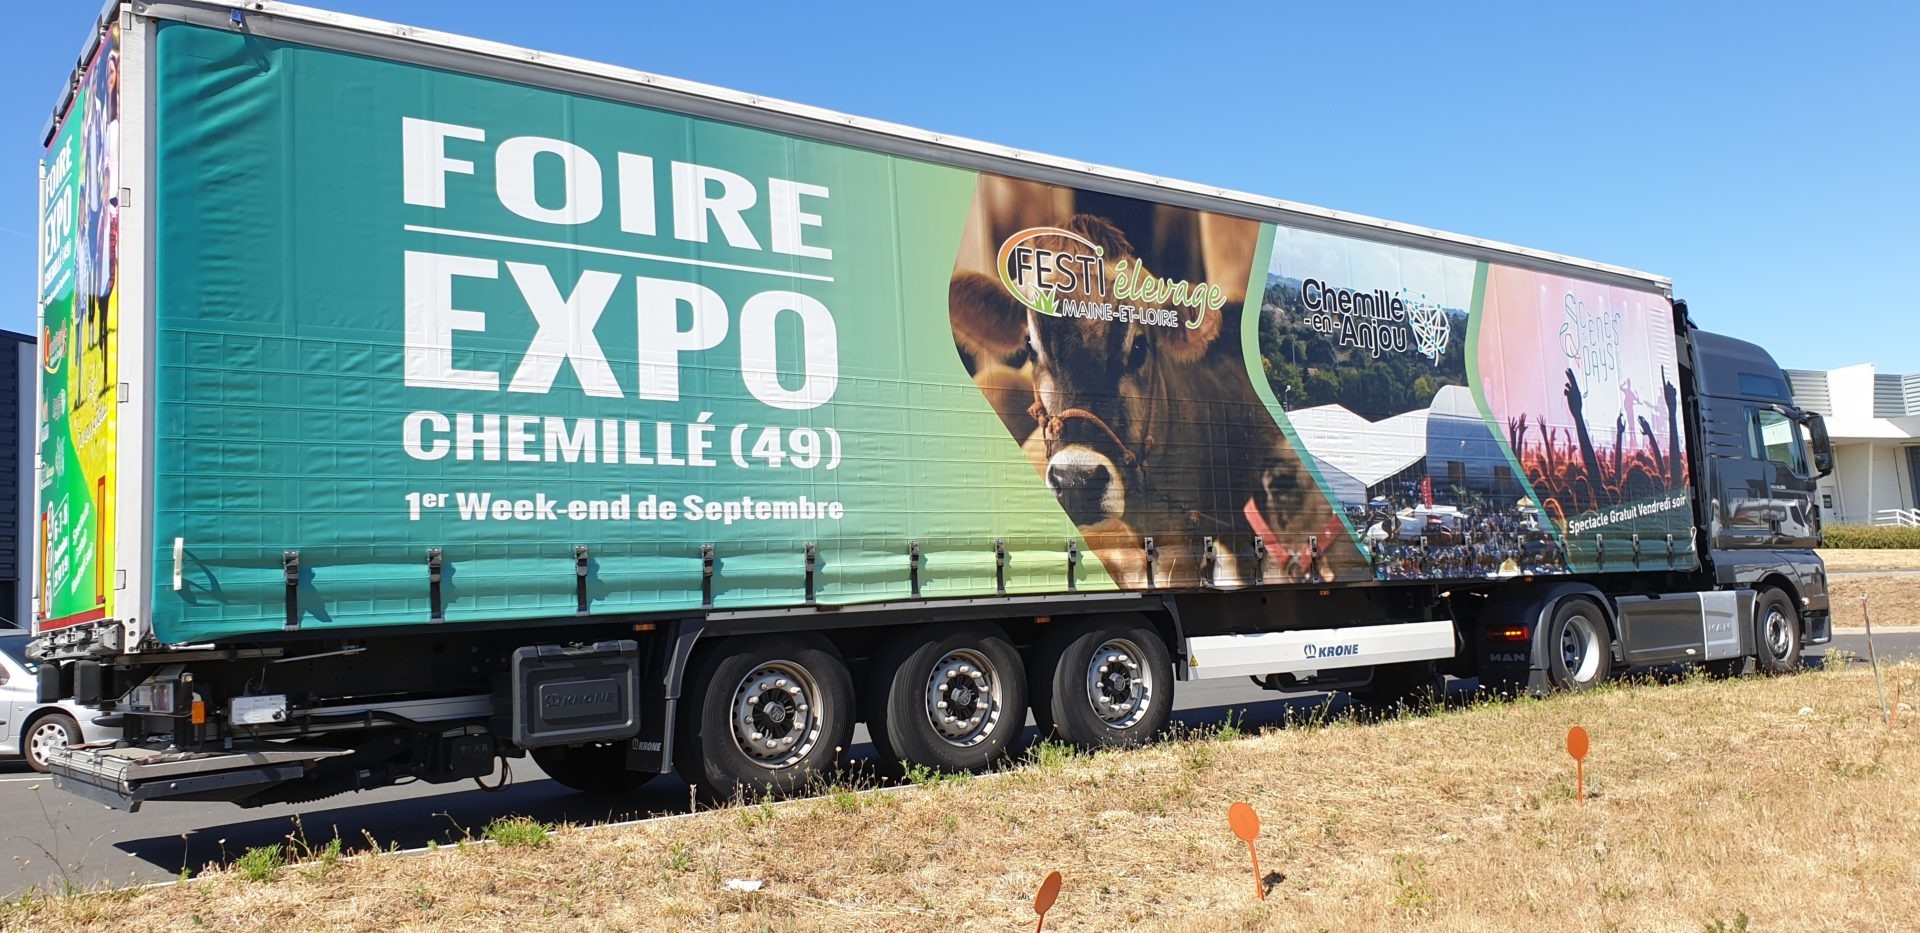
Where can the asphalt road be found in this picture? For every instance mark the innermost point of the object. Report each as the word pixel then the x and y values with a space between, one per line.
pixel 50 838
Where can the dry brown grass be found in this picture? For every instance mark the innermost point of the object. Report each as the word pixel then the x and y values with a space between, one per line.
pixel 1894 600
pixel 1847 560
pixel 1785 801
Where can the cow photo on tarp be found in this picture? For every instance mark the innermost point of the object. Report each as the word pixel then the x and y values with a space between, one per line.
pixel 1106 333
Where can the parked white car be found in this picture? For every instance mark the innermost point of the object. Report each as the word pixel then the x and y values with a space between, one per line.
pixel 29 727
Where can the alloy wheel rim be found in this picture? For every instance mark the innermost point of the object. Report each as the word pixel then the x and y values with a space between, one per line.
pixel 1779 637
pixel 776 716
pixel 1580 649
pixel 963 698
pixel 1119 683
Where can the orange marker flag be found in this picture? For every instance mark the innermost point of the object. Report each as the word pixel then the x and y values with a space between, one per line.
pixel 1246 825
pixel 1044 898
pixel 1577 747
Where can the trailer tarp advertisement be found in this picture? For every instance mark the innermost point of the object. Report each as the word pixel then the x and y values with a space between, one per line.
pixel 585 351
pixel 79 329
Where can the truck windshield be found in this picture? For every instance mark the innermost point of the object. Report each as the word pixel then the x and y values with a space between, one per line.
pixel 1780 437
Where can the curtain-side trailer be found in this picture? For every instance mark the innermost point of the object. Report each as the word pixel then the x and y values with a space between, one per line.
pixel 412 401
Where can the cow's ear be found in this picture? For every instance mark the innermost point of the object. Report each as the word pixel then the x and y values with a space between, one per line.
pixel 1227 245
pixel 1184 344
pixel 1104 234
pixel 985 318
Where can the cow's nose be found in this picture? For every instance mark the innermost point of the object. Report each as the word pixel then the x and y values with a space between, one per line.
pixel 1081 489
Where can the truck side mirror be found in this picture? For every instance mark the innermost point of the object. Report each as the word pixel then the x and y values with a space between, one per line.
pixel 1822 445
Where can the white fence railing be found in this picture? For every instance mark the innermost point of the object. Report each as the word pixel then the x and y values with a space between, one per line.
pixel 1907 518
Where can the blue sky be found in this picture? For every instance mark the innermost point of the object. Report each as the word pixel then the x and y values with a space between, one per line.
pixel 1762 156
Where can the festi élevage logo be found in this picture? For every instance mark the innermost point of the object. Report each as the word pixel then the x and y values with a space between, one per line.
pixel 1060 273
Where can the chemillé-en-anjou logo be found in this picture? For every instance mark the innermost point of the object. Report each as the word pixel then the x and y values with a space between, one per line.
pixel 1075 282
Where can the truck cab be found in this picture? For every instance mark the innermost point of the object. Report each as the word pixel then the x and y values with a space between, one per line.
pixel 1760 460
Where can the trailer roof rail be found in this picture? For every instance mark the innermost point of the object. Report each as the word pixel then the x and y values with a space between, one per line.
pixel 837 126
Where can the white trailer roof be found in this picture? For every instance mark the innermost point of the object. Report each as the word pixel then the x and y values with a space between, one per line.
pixel 326 28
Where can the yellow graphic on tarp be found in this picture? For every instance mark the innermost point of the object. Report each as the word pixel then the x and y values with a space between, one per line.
pixel 79 335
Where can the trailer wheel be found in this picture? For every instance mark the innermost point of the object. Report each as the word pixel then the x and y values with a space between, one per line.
pixel 1779 632
pixel 593 769
pixel 764 715
pixel 951 699
pixel 1579 649
pixel 1108 685
pixel 1416 687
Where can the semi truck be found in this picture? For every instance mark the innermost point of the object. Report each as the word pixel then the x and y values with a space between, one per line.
pixel 411 403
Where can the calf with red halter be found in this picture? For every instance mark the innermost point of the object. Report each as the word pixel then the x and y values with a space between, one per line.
pixel 1143 421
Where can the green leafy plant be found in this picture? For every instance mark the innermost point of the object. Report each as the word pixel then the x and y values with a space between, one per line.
pixel 1878 537
pixel 519 831
pixel 756 816
pixel 260 864
pixel 844 799
pixel 678 858
pixel 1233 728
pixel 1051 755
pixel 934 777
pixel 1413 894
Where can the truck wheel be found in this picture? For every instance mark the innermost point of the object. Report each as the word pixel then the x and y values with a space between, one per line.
pixel 45 733
pixel 593 769
pixel 764 714
pixel 1416 686
pixel 1579 649
pixel 1779 632
pixel 1109 685
pixel 952 700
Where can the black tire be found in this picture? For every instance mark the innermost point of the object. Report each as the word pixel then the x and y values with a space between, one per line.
pixel 593 769
pixel 975 730
pixel 1778 630
pixel 1579 646
pixel 1064 665
pixel 42 733
pixel 709 753
pixel 1416 687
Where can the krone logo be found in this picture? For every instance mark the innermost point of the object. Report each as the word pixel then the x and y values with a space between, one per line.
pixel 1318 652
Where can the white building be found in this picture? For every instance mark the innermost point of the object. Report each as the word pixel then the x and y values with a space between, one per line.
pixel 1447 442
pixel 1359 459
pixel 1874 420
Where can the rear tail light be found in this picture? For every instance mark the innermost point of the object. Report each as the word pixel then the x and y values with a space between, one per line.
pixel 1509 633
